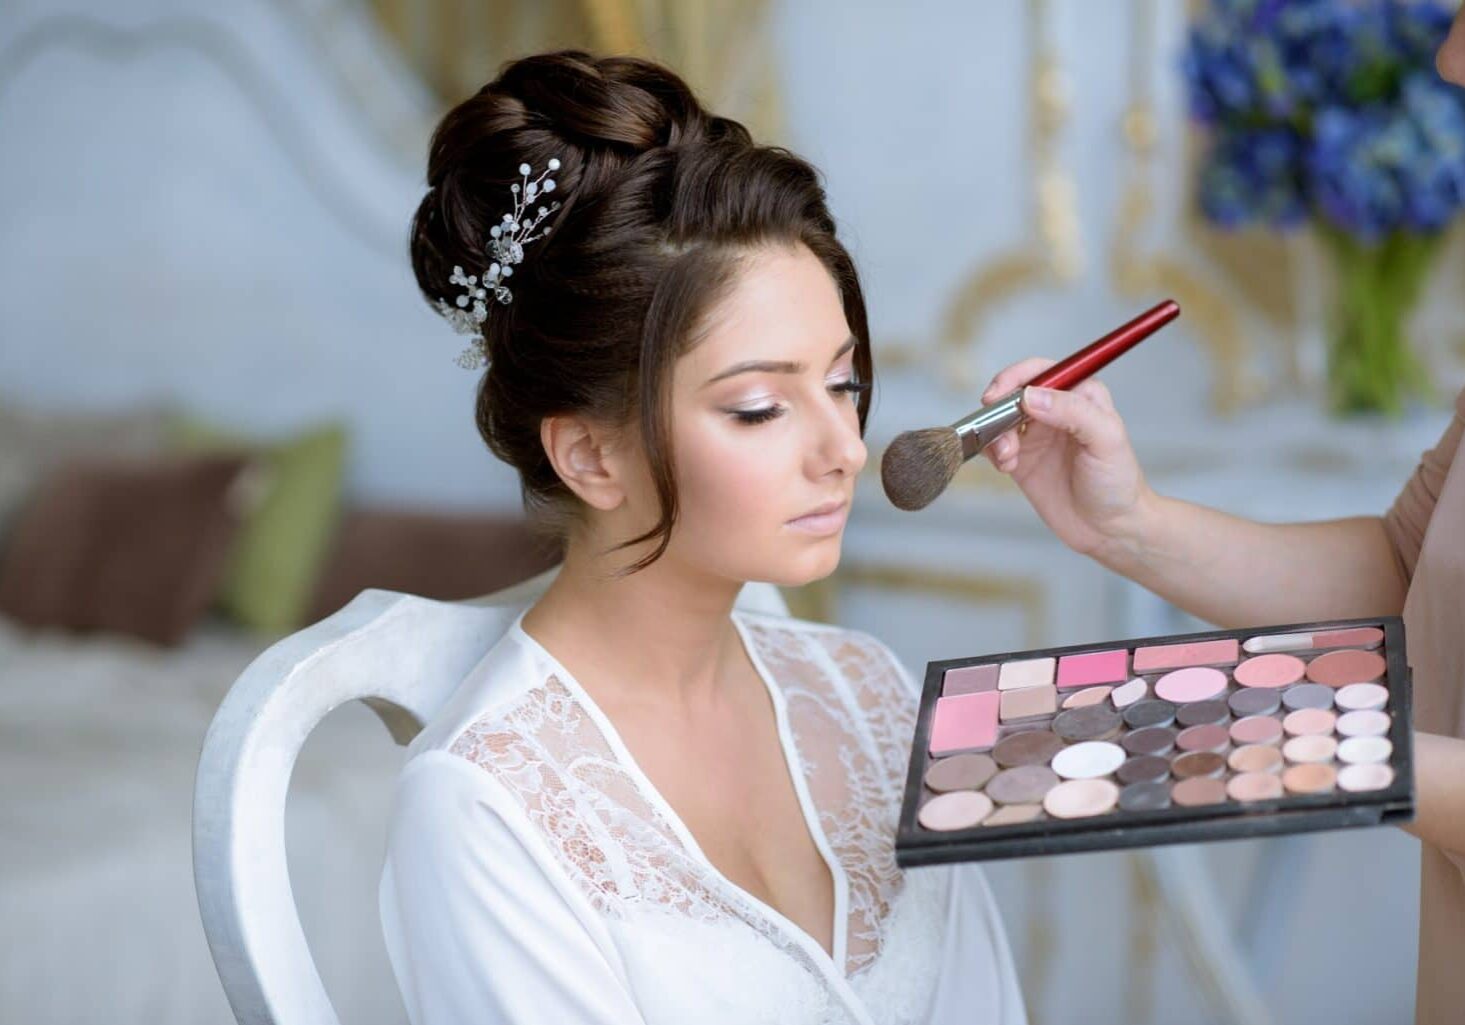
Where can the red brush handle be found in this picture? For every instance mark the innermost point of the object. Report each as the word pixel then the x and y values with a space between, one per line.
pixel 1093 357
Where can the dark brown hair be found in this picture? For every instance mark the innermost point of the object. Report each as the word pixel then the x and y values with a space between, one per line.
pixel 661 203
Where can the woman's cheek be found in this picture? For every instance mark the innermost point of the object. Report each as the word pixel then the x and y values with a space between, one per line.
pixel 738 478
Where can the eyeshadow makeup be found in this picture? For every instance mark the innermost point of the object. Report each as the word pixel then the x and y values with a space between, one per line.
pixel 1180 739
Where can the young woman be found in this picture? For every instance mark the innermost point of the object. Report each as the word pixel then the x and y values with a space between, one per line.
pixel 644 805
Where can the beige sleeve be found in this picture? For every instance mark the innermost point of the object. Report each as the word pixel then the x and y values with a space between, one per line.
pixel 1407 518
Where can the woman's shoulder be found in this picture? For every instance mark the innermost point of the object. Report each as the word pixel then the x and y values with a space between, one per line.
pixel 512 676
pixel 856 654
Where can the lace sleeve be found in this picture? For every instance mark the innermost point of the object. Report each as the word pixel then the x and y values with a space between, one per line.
pixel 479 923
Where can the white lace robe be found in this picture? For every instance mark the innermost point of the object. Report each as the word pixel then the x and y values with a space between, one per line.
pixel 535 875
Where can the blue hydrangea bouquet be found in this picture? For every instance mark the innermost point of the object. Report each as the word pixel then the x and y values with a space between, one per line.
pixel 1331 113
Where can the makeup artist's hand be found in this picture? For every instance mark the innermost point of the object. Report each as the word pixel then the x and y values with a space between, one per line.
pixel 1074 461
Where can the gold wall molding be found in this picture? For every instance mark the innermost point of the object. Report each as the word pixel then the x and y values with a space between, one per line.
pixel 721 47
pixel 1052 255
pixel 820 600
pixel 1137 271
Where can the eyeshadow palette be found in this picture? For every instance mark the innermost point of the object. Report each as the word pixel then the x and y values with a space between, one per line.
pixel 1180 739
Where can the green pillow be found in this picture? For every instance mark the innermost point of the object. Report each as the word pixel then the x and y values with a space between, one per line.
pixel 272 571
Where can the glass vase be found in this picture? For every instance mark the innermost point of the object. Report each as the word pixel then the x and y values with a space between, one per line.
pixel 1372 368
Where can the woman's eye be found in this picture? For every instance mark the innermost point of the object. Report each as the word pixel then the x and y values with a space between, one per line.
pixel 756 416
pixel 851 387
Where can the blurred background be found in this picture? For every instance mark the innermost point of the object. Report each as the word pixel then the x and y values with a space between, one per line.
pixel 225 409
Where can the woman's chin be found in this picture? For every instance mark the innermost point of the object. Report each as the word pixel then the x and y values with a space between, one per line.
pixel 813 563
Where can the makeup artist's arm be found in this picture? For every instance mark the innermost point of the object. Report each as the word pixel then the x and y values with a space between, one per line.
pixel 1076 466
pixel 1439 799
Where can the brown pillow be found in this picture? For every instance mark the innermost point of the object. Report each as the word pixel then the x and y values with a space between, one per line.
pixel 436 555
pixel 134 545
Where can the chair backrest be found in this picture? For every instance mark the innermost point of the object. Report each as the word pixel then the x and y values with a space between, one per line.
pixel 401 654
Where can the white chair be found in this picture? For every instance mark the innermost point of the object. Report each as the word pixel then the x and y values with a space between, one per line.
pixel 401 654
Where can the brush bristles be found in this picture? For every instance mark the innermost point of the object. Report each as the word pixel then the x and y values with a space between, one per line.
pixel 918 465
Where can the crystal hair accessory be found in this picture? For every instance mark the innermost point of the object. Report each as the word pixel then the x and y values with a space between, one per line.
pixel 505 249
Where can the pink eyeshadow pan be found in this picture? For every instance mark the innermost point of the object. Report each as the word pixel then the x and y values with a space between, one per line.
pixel 964 722
pixel 1358 637
pixel 1192 684
pixel 1270 671
pixel 968 680
pixel 1224 652
pixel 1093 667
pixel 1087 696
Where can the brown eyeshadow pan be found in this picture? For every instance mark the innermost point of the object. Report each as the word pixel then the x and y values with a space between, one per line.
pixel 1031 747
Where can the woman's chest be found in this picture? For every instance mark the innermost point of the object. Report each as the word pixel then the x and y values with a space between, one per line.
pixel 736 784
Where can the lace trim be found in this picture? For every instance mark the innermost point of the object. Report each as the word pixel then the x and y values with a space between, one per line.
pixel 850 716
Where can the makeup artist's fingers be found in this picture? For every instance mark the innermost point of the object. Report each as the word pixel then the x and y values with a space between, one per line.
pixel 1097 392
pixel 1092 426
pixel 1003 452
pixel 1017 374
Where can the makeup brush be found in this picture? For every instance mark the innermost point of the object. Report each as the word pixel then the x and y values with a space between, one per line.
pixel 919 464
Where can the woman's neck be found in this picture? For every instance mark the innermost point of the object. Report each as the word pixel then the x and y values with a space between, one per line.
pixel 662 636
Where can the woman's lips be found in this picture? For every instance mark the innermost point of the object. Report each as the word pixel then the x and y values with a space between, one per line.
pixel 826 519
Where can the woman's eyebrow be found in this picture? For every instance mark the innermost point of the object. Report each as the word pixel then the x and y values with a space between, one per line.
pixel 773 366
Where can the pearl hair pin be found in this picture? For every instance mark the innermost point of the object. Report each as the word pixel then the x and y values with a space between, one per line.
pixel 468 311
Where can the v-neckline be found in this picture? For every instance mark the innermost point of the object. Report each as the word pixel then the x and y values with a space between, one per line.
pixel 793 764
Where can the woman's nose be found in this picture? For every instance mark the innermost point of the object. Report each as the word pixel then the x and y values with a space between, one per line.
pixel 840 449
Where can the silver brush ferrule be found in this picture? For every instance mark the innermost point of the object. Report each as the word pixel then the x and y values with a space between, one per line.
pixel 987 424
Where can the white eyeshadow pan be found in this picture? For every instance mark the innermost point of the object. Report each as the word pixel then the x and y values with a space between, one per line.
pixel 1031 672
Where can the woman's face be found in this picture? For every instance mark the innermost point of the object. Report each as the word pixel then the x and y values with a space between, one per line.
pixel 766 439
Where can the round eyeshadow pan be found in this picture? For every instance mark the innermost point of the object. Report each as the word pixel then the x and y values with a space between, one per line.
pixel 1361 750
pixel 1093 722
pixel 1088 760
pixel 1368 776
pixel 1255 758
pixel 1203 713
pixel 1012 814
pixel 1195 683
pixel 1254 786
pixel 960 772
pixel 1144 797
pixel 1149 712
pixel 1031 747
pixel 1254 701
pixel 1310 749
pixel 1308 722
pixel 1022 784
pixel 1307 695
pixel 1209 737
pixel 1362 697
pixel 1198 790
pixel 961 809
pixel 1087 696
pixel 1143 769
pixel 1310 779
pixel 1256 729
pixel 1198 764
pixel 1363 724
pixel 1081 798
pixel 1346 665
pixel 1149 740
pixel 1127 694
pixel 1274 670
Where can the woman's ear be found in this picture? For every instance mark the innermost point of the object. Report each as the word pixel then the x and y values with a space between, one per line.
pixel 584 453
